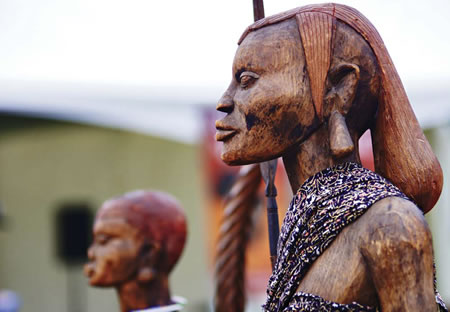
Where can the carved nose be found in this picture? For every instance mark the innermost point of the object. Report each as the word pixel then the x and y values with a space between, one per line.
pixel 225 104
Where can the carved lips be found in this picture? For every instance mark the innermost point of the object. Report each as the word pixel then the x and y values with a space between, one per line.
pixel 89 269
pixel 224 132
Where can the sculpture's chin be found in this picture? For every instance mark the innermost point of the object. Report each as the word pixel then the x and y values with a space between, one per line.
pixel 231 159
pixel 98 283
pixel 94 278
pixel 236 158
pixel 94 282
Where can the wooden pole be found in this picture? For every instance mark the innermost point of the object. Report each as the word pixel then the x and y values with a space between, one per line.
pixel 258 9
pixel 268 170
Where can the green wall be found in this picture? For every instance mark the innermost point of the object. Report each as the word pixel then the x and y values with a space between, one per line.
pixel 45 163
pixel 439 217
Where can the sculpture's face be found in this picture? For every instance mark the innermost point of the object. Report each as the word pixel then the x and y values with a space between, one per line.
pixel 115 252
pixel 268 103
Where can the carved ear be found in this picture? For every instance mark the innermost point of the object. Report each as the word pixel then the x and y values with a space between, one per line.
pixel 344 80
pixel 148 262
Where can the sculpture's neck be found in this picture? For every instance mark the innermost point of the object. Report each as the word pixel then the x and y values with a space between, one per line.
pixel 134 295
pixel 313 155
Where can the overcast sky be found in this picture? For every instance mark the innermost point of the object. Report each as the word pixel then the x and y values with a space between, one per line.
pixel 145 42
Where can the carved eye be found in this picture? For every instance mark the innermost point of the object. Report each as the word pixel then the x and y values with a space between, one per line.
pixel 102 239
pixel 247 78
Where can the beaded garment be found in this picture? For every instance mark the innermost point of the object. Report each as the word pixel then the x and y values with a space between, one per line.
pixel 322 207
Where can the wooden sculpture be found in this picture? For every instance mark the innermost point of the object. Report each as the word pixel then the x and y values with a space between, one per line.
pixel 138 239
pixel 306 84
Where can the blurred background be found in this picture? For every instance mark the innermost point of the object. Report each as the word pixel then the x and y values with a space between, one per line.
pixel 100 97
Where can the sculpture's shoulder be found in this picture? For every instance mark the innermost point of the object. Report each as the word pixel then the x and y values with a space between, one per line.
pixel 397 249
pixel 395 220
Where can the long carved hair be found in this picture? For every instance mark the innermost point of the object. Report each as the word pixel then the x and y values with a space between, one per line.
pixel 402 153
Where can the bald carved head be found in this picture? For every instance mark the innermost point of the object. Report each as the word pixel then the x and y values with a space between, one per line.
pixel 136 236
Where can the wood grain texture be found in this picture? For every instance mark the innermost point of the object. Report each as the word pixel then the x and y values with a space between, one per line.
pixel 341 143
pixel 384 258
pixel 268 104
pixel 401 151
pixel 316 33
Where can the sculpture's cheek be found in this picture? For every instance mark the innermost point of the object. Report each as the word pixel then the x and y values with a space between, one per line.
pixel 113 263
pixel 285 125
pixel 251 120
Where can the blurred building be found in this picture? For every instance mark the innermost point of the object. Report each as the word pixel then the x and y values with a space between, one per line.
pixel 47 165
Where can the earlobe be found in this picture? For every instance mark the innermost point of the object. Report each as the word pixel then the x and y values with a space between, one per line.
pixel 146 274
pixel 344 80
pixel 341 143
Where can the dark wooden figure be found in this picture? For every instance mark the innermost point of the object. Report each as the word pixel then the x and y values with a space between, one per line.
pixel 307 83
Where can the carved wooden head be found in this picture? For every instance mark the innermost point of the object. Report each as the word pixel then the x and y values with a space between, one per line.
pixel 268 102
pixel 136 237
pixel 294 70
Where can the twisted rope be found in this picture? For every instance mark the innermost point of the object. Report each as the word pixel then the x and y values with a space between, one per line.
pixel 233 238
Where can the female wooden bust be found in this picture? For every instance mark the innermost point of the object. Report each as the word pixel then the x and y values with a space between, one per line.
pixel 306 84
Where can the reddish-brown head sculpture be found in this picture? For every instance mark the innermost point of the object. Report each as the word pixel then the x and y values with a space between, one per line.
pixel 138 239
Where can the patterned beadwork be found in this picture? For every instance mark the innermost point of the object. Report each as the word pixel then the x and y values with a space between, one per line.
pixel 322 207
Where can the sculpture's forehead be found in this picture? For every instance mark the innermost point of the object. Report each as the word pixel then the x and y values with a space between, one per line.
pixel 113 226
pixel 121 209
pixel 271 46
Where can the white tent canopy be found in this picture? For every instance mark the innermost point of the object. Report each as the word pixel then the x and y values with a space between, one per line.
pixel 149 65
